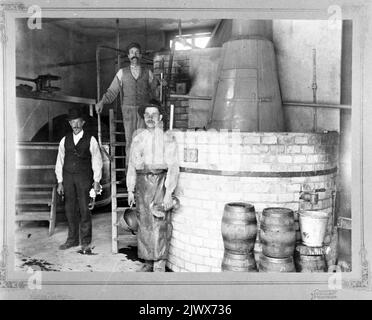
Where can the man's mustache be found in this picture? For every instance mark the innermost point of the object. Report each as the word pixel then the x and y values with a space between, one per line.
pixel 134 58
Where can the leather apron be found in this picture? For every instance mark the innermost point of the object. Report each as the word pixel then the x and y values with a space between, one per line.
pixel 154 233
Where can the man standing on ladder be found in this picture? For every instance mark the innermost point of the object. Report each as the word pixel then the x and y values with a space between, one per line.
pixel 137 86
pixel 153 171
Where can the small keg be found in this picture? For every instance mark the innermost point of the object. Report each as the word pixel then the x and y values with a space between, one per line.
pixel 310 259
pixel 278 232
pixel 239 227
pixel 268 264
pixel 238 262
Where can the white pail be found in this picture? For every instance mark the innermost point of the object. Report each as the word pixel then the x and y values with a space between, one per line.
pixel 313 225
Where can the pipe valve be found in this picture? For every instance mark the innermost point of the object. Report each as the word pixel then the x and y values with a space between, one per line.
pixel 311 196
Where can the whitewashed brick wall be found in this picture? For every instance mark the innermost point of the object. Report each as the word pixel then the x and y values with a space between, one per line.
pixel 197 243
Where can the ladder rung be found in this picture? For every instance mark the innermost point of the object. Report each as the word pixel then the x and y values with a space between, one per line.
pixel 119 132
pixel 121 195
pixel 120 209
pixel 119 157
pixel 119 169
pixel 118 144
pixel 119 182
pixel 129 239
pixel 118 121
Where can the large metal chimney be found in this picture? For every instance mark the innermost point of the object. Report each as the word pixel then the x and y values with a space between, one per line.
pixel 247 94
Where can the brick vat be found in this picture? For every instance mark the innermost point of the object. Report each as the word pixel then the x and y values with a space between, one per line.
pixel 265 169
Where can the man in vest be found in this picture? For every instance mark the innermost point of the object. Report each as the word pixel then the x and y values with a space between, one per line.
pixel 153 171
pixel 79 164
pixel 137 86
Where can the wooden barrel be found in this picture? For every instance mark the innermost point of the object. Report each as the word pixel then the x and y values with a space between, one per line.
pixel 268 264
pixel 238 262
pixel 277 232
pixel 310 259
pixel 239 227
pixel 305 263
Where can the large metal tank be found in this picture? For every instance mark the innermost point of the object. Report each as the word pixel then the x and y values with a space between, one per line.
pixel 247 95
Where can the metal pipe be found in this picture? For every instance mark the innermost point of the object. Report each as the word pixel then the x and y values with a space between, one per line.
pixel 316 105
pixel 118 61
pixel 314 87
pixel 98 70
pixel 124 52
pixel 171 117
pixel 285 104
pixel 184 96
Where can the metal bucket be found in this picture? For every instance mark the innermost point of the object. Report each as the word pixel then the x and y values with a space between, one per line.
pixel 313 225
pixel 129 221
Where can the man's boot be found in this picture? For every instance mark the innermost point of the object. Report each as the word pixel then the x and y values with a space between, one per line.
pixel 159 266
pixel 146 267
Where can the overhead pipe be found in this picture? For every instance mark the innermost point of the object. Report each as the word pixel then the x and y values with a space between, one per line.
pixel 285 103
pixel 314 88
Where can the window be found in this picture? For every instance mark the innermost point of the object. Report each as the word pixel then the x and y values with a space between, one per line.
pixel 191 41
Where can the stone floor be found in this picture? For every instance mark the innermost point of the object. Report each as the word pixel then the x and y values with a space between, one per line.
pixel 34 248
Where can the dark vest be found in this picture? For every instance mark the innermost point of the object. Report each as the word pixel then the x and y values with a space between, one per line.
pixel 136 92
pixel 78 158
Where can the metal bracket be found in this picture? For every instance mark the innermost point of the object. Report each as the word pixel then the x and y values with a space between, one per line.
pixel 344 223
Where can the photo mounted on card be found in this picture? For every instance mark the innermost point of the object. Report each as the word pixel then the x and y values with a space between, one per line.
pixel 217 151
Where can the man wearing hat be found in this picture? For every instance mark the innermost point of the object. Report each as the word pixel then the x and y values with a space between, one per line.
pixel 137 86
pixel 78 166
pixel 153 171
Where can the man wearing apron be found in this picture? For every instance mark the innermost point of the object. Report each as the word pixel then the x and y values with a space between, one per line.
pixel 153 171
pixel 137 86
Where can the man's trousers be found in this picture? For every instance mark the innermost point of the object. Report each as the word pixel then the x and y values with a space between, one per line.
pixel 76 187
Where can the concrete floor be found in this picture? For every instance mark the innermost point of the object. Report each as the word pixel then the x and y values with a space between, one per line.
pixel 34 248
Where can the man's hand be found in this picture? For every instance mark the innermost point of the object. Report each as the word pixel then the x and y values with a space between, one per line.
pixel 163 82
pixel 60 189
pixel 168 201
pixel 131 199
pixel 96 187
pixel 99 107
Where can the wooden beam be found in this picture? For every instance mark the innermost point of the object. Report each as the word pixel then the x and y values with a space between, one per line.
pixel 54 97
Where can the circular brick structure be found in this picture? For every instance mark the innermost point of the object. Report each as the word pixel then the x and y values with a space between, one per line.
pixel 264 169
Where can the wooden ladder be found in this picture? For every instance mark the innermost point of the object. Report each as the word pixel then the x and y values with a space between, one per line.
pixel 118 185
pixel 37 202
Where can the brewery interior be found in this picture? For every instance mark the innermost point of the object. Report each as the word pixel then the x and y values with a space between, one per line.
pixel 261 111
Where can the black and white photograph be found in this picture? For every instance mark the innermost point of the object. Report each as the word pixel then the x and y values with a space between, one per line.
pixel 185 150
